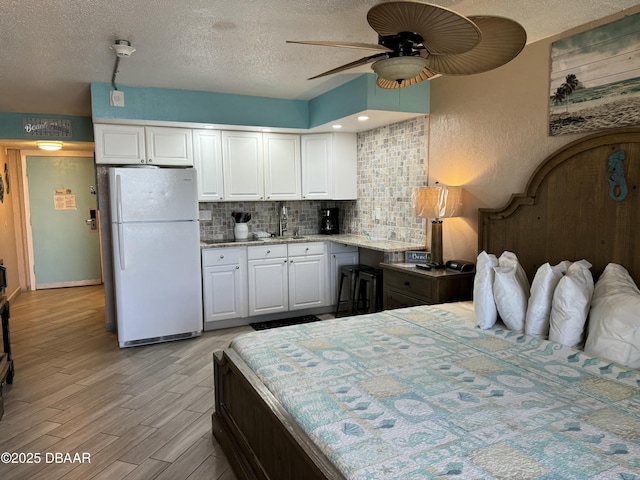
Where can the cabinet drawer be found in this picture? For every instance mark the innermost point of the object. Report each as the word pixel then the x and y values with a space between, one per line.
pixel 212 257
pixel 395 299
pixel 267 251
pixel 341 248
pixel 413 285
pixel 299 249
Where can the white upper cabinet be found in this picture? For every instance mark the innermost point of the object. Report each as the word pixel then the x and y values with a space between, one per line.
pixel 207 159
pixel 329 166
pixel 119 144
pixel 282 179
pixel 169 146
pixel 242 158
pixel 130 144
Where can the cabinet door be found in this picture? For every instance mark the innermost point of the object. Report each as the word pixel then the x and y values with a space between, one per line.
pixel 268 286
pixel 307 282
pixel 345 166
pixel 169 146
pixel 282 179
pixel 317 168
pixel 242 161
pixel 119 144
pixel 207 159
pixel 223 293
pixel 338 260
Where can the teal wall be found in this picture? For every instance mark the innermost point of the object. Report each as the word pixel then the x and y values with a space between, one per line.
pixel 161 104
pixel 11 127
pixel 144 103
pixel 362 93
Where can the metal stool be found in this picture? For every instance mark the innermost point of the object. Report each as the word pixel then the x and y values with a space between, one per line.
pixel 352 273
pixel 369 291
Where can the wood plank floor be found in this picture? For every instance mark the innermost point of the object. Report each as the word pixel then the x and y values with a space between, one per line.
pixel 140 413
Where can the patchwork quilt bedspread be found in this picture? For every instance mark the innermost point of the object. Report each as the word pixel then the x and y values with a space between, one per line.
pixel 421 393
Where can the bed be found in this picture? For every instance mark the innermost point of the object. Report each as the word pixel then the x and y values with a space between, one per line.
pixel 421 393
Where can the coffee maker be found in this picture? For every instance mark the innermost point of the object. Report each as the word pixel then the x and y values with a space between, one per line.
pixel 329 221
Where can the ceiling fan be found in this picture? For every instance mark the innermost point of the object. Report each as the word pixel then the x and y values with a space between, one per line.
pixel 417 41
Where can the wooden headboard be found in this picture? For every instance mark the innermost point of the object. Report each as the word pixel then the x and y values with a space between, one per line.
pixel 567 211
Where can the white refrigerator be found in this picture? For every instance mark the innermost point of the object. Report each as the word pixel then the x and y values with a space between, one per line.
pixel 156 254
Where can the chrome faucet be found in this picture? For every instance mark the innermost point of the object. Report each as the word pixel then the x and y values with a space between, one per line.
pixel 282 221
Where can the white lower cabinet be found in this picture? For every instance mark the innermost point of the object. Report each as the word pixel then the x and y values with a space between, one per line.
pixel 307 276
pixel 285 278
pixel 340 255
pixel 268 279
pixel 224 284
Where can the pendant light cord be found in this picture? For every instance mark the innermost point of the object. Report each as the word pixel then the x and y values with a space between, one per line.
pixel 115 72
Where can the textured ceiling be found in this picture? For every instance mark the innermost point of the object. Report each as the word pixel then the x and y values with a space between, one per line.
pixel 53 49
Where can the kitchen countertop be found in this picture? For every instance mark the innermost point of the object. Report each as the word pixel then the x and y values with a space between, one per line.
pixel 346 239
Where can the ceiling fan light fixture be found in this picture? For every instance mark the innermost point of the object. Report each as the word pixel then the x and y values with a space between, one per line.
pixel 398 69
pixel 49 146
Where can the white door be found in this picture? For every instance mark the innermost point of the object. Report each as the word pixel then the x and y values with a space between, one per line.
pixel 317 168
pixel 242 158
pixel 169 146
pixel 222 287
pixel 66 248
pixel 207 160
pixel 268 286
pixel 282 179
pixel 307 282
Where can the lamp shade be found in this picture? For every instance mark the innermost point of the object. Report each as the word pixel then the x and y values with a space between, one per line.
pixel 398 69
pixel 438 201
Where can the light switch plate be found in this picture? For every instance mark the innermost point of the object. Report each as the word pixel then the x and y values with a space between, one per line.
pixel 116 98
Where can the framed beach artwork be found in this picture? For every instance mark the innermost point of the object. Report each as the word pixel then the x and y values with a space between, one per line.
pixel 595 79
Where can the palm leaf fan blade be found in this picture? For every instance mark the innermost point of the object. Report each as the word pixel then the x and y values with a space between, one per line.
pixel 502 40
pixel 443 31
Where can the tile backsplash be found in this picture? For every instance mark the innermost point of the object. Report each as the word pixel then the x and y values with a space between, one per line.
pixel 391 163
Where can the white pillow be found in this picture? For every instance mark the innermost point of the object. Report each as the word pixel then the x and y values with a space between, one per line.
pixel 484 305
pixel 542 288
pixel 614 320
pixel 511 291
pixel 570 305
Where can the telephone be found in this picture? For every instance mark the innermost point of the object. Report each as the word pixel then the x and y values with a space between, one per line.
pixel 460 265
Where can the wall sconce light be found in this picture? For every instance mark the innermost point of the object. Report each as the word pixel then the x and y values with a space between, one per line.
pixel 49 146
pixel 437 202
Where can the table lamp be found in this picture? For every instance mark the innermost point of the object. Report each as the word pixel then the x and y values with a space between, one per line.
pixel 437 202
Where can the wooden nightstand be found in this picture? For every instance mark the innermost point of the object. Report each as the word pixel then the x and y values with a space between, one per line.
pixel 404 285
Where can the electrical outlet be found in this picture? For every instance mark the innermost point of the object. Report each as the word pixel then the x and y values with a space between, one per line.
pixel 116 98
pixel 378 213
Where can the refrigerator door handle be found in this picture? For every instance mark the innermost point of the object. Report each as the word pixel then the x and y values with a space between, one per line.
pixel 121 245
pixel 118 199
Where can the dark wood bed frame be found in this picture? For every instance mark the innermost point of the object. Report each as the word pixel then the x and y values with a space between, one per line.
pixel 566 213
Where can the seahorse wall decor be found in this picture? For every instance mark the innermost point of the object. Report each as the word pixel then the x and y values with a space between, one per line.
pixel 617 183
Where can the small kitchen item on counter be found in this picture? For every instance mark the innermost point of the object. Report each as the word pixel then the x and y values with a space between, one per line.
pixel 241 230
pixel 375 235
pixel 329 224
pixel 261 235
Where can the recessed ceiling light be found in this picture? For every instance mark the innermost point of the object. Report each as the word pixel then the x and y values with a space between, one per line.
pixel 363 118
pixel 336 126
pixel 266 130
pixel 49 146
pixel 209 127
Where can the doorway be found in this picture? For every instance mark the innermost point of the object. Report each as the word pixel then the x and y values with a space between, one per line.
pixel 62 222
